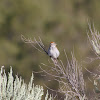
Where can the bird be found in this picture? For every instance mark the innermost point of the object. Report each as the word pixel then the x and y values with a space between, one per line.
pixel 53 51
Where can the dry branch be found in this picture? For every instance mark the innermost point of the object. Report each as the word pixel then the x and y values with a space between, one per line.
pixel 70 77
pixel 94 38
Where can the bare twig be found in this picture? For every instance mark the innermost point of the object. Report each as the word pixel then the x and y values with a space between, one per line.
pixel 33 43
pixel 70 78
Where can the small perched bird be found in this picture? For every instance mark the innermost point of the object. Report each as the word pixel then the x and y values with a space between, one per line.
pixel 53 51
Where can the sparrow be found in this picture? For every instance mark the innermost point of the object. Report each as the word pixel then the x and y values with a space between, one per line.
pixel 53 51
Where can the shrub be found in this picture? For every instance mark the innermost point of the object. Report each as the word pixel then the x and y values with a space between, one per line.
pixel 17 89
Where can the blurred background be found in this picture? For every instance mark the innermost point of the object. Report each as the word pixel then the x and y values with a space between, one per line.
pixel 62 21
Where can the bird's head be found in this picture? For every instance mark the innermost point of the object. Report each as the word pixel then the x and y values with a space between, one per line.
pixel 53 44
